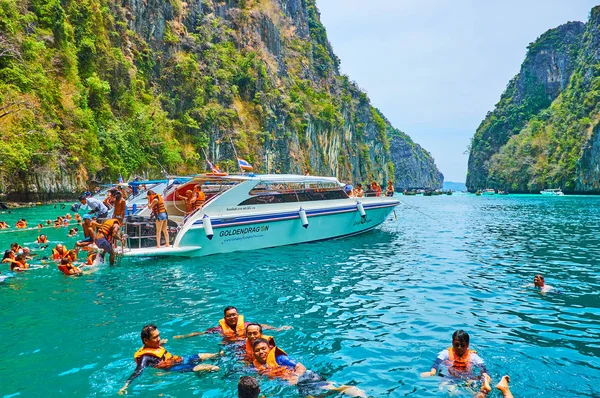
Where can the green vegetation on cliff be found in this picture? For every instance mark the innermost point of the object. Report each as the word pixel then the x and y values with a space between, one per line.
pixel 95 88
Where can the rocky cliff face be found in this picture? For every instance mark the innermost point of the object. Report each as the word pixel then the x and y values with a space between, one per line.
pixel 544 74
pixel 123 87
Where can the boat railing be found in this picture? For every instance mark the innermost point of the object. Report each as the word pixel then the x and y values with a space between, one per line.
pixel 140 232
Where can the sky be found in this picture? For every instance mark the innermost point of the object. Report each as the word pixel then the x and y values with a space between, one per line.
pixel 436 67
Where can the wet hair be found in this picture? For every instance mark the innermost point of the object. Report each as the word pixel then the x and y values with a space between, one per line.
pixel 539 276
pixel 258 341
pixel 146 331
pixel 248 387
pixel 20 257
pixel 7 254
pixel 231 307
pixel 65 261
pixel 461 336
pixel 14 244
pixel 254 324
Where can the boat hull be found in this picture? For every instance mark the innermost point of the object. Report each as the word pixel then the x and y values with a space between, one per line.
pixel 278 229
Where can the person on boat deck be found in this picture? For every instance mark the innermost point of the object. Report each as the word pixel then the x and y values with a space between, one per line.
pixel 538 282
pixel 358 191
pixel 120 207
pixel 459 360
pixel 20 263
pixel 88 232
pixel 199 197
pixel 375 187
pixel 67 267
pixel 232 326
pixel 95 206
pixel 59 251
pixel 389 191
pixel 189 201
pixel 274 363
pixel 248 387
pixel 155 202
pixel 154 355
pixel 107 232
pixel 109 199
pixel 253 333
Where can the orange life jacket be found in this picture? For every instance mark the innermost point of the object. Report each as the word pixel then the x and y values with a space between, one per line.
pixel 106 228
pixel 250 351
pixel 21 224
pixel 166 358
pixel 90 258
pixel 15 264
pixel 200 199
pixel 272 369
pixel 159 206
pixel 237 334
pixel 56 255
pixel 42 241
pixel 460 362
pixel 65 269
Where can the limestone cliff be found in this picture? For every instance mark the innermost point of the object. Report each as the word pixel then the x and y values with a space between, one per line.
pixel 103 88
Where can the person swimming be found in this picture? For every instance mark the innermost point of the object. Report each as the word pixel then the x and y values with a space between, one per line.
pixel 538 282
pixel 460 362
pixel 67 268
pixel 273 362
pixel 153 354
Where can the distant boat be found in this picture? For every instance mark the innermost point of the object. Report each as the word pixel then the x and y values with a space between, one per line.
pixel 478 193
pixel 488 192
pixel 427 193
pixel 502 192
pixel 449 192
pixel 552 192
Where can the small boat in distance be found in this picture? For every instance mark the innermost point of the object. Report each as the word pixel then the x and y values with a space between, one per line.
pixel 488 192
pixel 552 192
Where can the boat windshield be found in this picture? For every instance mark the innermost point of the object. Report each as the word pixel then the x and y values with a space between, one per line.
pixel 288 192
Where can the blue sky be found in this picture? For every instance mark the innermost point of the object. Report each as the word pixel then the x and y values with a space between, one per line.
pixel 436 67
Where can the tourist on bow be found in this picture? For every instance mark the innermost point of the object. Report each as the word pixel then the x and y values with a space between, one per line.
pixel 274 363
pixel 199 197
pixel 155 202
pixel 153 354
pixel 88 232
pixel 376 188
pixel 358 192
pixel 189 199
pixel 96 207
pixel 389 191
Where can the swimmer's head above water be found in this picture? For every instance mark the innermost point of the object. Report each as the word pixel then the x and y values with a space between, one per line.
pixel 231 316
pixel 538 280
pixel 150 336
pixel 460 342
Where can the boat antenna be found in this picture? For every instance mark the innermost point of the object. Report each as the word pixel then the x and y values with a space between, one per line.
pixel 235 154
pixel 162 168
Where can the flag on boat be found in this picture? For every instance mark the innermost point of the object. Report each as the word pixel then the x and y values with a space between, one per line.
pixel 244 165
pixel 212 167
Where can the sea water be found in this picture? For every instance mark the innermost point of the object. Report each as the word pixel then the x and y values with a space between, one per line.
pixel 371 310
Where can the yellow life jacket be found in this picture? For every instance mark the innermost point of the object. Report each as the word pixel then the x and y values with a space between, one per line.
pixel 230 334
pixel 166 358
pixel 57 255
pixel 200 199
pixel 271 368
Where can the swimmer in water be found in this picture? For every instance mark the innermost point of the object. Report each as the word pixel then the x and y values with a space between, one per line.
pixel 459 360
pixel 274 363
pixel 248 387
pixel 154 355
pixel 73 231
pixel 20 264
pixel 538 282
pixel 253 333
pixel 232 326
pixel 67 268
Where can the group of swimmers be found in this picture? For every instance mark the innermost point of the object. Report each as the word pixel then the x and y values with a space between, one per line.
pixel 257 350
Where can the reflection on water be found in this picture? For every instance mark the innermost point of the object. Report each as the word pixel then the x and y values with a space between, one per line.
pixel 372 310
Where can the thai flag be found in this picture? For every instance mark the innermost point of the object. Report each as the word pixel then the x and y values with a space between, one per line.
pixel 212 167
pixel 244 165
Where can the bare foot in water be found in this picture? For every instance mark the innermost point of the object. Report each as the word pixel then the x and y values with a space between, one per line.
pixel 503 386
pixel 485 386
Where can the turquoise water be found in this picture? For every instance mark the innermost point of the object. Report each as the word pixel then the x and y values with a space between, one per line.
pixel 371 310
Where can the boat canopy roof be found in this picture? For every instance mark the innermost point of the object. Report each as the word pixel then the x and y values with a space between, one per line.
pixel 274 178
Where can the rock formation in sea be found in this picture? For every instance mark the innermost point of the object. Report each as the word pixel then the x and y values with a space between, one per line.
pixel 544 133
pixel 90 90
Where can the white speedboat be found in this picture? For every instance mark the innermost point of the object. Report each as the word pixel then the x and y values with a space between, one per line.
pixel 247 212
pixel 552 192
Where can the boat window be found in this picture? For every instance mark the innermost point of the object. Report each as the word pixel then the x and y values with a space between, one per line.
pixel 270 193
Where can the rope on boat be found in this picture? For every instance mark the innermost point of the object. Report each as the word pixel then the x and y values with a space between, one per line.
pixel 419 211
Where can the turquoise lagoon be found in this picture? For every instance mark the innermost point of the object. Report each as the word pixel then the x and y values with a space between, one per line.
pixel 371 310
